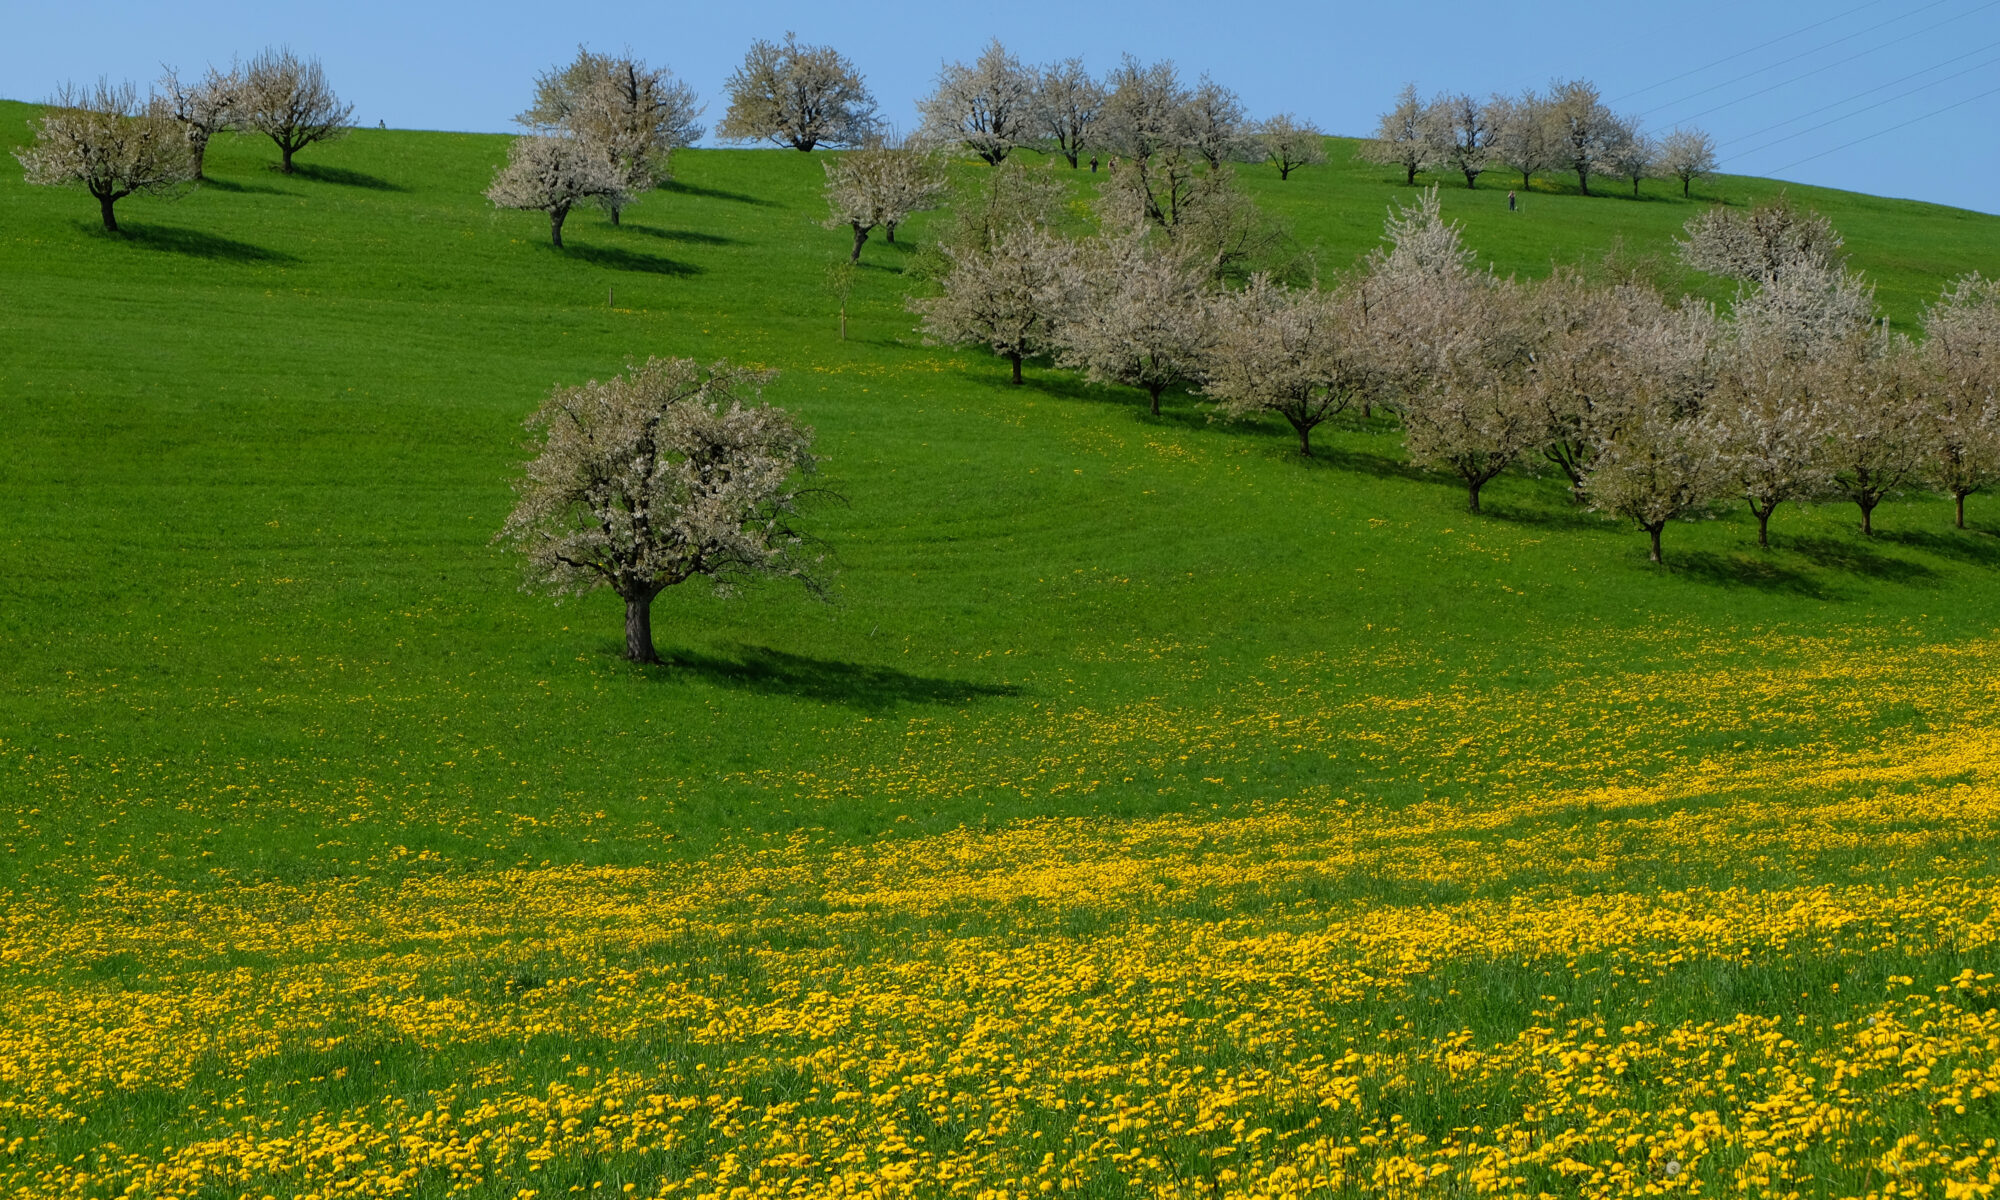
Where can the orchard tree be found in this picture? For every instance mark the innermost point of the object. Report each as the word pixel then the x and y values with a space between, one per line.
pixel 204 107
pixel 1145 110
pixel 1476 416
pixel 1878 434
pixel 288 100
pixel 1580 372
pixel 1007 296
pixel 651 478
pixel 799 96
pixel 880 185
pixel 554 173
pixel 1522 132
pixel 635 115
pixel 1635 155
pixel 1289 143
pixel 1764 243
pixel 1960 389
pixel 109 142
pixel 1463 129
pixel 1214 126
pixel 988 107
pixel 1770 427
pixel 1687 154
pixel 1405 137
pixel 1583 131
pixel 1299 353
pixel 1068 105
pixel 1658 465
pixel 1139 316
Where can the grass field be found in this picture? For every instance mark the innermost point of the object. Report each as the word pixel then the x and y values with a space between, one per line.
pixel 1151 812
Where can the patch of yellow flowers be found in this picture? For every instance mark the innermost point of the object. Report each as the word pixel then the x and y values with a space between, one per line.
pixel 1769 973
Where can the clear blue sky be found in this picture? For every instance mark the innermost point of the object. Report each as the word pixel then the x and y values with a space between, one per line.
pixel 1860 68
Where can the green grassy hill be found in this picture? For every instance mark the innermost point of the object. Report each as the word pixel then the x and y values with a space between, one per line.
pixel 305 808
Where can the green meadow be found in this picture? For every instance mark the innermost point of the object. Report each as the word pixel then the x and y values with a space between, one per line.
pixel 308 813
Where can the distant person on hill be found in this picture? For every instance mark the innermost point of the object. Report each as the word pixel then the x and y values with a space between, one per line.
pixel 1093 164
pixel 1510 201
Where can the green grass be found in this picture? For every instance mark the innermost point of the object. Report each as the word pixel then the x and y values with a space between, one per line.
pixel 255 627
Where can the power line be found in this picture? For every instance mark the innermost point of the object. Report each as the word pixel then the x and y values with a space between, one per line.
pixel 1841 62
pixel 1740 53
pixel 1744 137
pixel 1891 129
pixel 1796 57
pixel 1979 66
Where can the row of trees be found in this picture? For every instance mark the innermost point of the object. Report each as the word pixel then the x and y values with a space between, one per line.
pixel 1567 128
pixel 1651 409
pixel 114 143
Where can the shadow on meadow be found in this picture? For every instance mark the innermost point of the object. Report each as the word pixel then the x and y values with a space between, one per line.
pixel 858 685
pixel 619 259
pixel 1978 547
pixel 692 236
pixel 345 177
pixel 693 189
pixel 233 187
pixel 1856 558
pixel 194 243
pixel 1747 570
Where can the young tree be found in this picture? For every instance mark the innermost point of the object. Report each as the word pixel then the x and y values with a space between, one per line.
pixel 204 108
pixel 288 100
pixel 1522 133
pixel 1584 130
pixel 553 174
pixel 1770 429
pixel 1960 388
pixel 880 185
pixel 1213 124
pixel 1687 155
pixel 1007 296
pixel 1068 106
pixel 798 96
pixel 634 114
pixel 988 107
pixel 1463 130
pixel 1139 317
pixel 1298 353
pixel 1405 137
pixel 1877 447
pixel 1289 143
pixel 105 139
pixel 657 476
pixel 1634 154
pixel 1144 110
pixel 1659 464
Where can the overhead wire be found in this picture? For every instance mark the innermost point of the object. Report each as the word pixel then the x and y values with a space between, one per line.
pixel 1978 66
pixel 1891 129
pixel 1744 137
pixel 1708 66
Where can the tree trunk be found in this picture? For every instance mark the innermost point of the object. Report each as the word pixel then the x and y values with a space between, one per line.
pixel 1284 172
pixel 1472 487
pixel 1411 178
pixel 1653 531
pixel 1635 187
pixel 860 236
pixel 1305 433
pixel 1472 179
pixel 639 628
pixel 1960 498
pixel 1763 516
pixel 556 217
pixel 1155 394
pixel 889 231
pixel 615 210
pixel 287 151
pixel 1583 181
pixel 104 204
pixel 1687 181
pixel 1867 516
pixel 199 153
pixel 1525 177
pixel 1016 360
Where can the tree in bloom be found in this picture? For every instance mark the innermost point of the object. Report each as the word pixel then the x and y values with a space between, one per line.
pixel 1959 389
pixel 668 472
pixel 1068 105
pixel 1405 136
pixel 1687 154
pixel 287 99
pixel 988 107
pixel 1008 295
pixel 1139 315
pixel 880 186
pixel 1289 143
pixel 204 107
pixel 553 174
pixel 109 142
pixel 1298 352
pixel 635 115
pixel 799 96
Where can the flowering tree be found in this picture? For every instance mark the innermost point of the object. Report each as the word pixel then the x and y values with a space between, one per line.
pixel 1139 316
pixel 635 115
pixel 1289 143
pixel 1299 353
pixel 799 96
pixel 1522 134
pixel 1463 131
pixel 1214 126
pixel 1404 137
pixel 1687 154
pixel 109 142
pixel 988 107
pixel 1068 106
pixel 204 107
pixel 1659 464
pixel 1145 108
pixel 1583 131
pixel 880 185
pixel 657 476
pixel 554 174
pixel 1008 296
pixel 1959 392
pixel 287 99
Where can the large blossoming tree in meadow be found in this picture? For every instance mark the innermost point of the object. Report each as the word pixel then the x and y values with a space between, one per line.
pixel 666 473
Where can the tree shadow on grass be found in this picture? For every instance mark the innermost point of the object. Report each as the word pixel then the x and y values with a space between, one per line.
pixel 1856 558
pixel 230 185
pixel 344 177
pixel 618 259
pixel 1557 516
pixel 1976 546
pixel 693 236
pixel 692 189
pixel 197 244
pixel 858 685
pixel 1746 571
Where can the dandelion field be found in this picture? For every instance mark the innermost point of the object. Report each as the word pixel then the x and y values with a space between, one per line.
pixel 1151 813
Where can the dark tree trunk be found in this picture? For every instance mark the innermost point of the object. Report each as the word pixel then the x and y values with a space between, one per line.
pixel 1472 179
pixel 1687 181
pixel 104 204
pixel 556 218
pixel 1411 177
pixel 1653 531
pixel 286 150
pixel 639 628
pixel 1154 393
pixel 860 236
pixel 1525 177
pixel 1960 498
pixel 1284 172
pixel 1763 516
pixel 1472 487
pixel 615 211
pixel 1867 508
pixel 1635 186
pixel 889 232
pixel 1583 181
pixel 1016 360
pixel 199 153
pixel 1305 433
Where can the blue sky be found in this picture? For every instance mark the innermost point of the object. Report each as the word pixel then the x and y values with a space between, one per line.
pixel 1784 87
